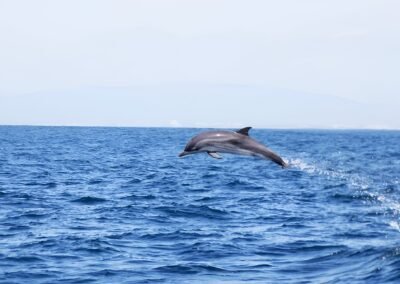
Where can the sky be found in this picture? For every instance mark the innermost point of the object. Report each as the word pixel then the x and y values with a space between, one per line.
pixel 201 63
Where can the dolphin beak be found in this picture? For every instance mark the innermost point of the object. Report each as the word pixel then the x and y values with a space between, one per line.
pixel 184 153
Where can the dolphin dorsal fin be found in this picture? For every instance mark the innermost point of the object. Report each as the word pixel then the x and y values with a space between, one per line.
pixel 244 131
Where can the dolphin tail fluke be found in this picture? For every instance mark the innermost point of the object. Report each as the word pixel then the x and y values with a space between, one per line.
pixel 281 162
pixel 284 165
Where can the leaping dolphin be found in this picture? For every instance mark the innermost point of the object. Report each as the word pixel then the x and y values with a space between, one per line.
pixel 231 142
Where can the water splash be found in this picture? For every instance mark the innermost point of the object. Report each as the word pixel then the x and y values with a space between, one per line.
pixel 359 183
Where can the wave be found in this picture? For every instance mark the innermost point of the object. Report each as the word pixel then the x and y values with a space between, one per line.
pixel 178 235
pixel 194 211
pixel 189 268
pixel 89 200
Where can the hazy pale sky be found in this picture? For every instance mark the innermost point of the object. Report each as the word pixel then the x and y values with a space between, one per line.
pixel 208 63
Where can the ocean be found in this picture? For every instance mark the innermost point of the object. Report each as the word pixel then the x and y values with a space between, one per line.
pixel 116 205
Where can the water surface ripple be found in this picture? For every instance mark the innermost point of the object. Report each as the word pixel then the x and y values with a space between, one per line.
pixel 116 205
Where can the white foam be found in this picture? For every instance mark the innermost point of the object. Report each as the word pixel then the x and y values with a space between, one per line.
pixel 303 166
pixel 395 225
pixel 357 182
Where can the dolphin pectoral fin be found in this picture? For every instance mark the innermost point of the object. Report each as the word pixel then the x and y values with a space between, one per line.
pixel 244 131
pixel 214 155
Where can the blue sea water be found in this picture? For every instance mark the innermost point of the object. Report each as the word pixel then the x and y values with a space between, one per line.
pixel 116 205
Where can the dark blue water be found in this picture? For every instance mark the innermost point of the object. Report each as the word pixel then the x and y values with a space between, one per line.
pixel 116 205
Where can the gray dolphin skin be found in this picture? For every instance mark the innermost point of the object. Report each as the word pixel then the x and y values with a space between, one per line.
pixel 231 142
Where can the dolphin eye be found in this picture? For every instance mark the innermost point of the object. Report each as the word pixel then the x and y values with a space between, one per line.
pixel 190 148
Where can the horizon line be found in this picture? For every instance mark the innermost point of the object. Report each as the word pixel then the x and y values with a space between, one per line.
pixel 203 127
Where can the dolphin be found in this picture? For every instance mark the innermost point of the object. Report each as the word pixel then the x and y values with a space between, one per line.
pixel 231 142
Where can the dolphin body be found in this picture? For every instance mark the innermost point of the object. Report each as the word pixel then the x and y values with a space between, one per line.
pixel 231 142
